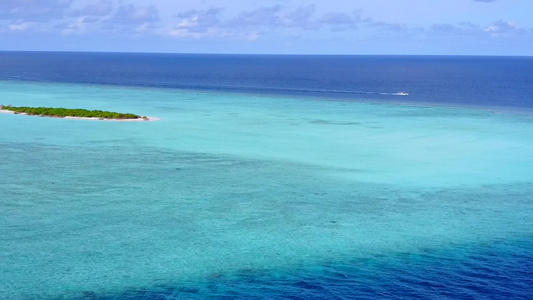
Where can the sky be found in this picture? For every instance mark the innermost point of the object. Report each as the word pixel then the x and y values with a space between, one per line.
pixel 397 27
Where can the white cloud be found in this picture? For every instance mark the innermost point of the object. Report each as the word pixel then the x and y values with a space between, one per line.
pixel 271 22
pixel 33 10
pixel 98 9
pixel 503 28
pixel 131 14
pixel 263 16
pixel 252 36
pixel 302 17
pixel 337 18
pixel 77 26
pixel 184 33
pixel 20 26
pixel 199 20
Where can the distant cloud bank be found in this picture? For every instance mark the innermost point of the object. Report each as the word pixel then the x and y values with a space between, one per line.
pixel 288 23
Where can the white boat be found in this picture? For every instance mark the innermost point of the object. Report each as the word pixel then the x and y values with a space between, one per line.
pixel 402 94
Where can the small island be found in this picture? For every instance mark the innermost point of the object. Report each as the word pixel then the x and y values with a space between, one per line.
pixel 73 113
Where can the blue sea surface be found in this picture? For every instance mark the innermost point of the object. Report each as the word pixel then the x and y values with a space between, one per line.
pixel 267 177
pixel 452 80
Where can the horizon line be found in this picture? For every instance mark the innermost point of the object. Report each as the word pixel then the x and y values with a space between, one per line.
pixel 257 54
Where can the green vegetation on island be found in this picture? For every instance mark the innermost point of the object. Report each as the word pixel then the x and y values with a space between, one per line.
pixel 66 112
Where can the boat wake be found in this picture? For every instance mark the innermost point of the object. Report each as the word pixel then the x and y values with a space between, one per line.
pixel 229 88
pixel 294 91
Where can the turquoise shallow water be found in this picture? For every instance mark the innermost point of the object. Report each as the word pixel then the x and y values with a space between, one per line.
pixel 232 186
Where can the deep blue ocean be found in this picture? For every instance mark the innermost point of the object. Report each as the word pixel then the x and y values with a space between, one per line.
pixel 268 177
pixel 449 80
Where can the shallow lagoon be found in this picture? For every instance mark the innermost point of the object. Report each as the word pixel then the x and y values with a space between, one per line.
pixel 232 189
